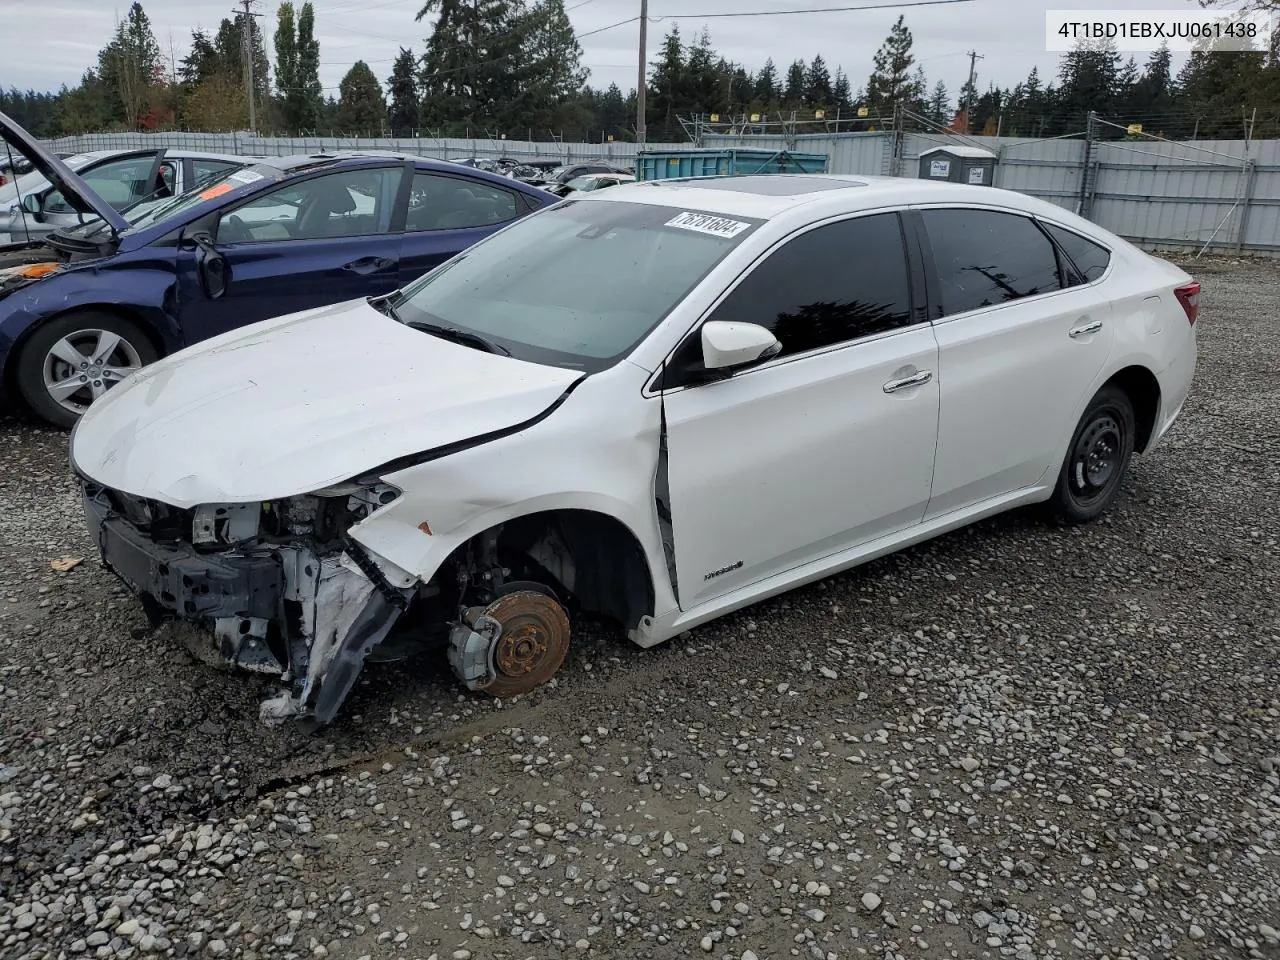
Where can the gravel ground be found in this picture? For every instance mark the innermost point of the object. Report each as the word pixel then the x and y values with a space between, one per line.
pixel 1016 741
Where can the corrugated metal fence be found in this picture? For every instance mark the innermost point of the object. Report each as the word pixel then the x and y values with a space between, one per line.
pixel 1218 195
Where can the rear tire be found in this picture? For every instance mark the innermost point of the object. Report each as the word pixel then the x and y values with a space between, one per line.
pixel 73 359
pixel 1097 458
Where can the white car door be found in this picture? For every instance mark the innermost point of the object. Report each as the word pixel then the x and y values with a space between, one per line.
pixel 1018 349
pixel 827 445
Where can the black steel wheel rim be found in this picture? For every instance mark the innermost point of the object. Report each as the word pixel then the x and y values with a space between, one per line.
pixel 1097 457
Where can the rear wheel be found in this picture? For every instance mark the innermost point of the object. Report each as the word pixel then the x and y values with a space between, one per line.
pixel 1097 460
pixel 72 360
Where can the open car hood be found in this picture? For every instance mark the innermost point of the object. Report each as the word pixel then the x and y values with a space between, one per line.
pixel 77 193
pixel 288 406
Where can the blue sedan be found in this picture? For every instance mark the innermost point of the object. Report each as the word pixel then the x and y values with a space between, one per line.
pixel 270 239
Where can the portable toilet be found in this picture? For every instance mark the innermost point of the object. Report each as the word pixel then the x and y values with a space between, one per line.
pixel 959 165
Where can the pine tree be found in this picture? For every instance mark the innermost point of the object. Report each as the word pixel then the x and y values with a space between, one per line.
pixel 891 81
pixel 470 72
pixel 940 104
pixel 403 87
pixel 130 65
pixel 817 84
pixel 766 91
pixel 793 94
pixel 840 93
pixel 550 70
pixel 666 86
pixel 1090 75
pixel 362 109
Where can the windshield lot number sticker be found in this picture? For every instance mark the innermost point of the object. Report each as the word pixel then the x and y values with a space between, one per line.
pixel 245 176
pixel 706 223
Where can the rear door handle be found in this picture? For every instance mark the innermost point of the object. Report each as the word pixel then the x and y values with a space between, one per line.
pixel 915 380
pixel 368 265
pixel 1085 329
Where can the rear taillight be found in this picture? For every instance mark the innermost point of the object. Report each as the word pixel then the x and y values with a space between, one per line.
pixel 1189 296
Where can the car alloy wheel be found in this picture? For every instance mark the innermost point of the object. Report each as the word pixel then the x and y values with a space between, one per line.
pixel 84 364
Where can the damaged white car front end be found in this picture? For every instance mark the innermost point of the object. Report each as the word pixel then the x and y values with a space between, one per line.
pixel 281 586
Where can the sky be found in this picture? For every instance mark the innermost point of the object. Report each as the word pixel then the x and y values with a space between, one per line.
pixel 47 45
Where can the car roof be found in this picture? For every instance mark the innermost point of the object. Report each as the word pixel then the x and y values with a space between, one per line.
pixel 766 196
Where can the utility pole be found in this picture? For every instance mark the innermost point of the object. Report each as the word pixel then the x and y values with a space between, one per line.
pixel 973 76
pixel 643 72
pixel 246 33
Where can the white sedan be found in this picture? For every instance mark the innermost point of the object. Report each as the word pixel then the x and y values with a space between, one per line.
pixel 658 403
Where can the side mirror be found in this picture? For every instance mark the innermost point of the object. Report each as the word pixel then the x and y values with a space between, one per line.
pixel 210 264
pixel 727 345
pixel 32 205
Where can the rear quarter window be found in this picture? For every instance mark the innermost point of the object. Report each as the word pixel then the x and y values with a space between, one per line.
pixel 1089 259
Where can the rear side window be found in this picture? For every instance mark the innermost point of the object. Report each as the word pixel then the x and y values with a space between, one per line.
pixel 833 284
pixel 1089 259
pixel 984 258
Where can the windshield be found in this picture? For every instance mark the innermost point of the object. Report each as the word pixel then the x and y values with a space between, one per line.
pixel 582 183
pixel 576 285
pixel 148 213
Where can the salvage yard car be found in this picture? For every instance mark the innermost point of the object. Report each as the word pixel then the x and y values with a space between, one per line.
pixel 788 376
pixel 274 237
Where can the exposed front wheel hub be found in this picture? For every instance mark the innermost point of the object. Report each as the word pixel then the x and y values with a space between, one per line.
pixel 512 646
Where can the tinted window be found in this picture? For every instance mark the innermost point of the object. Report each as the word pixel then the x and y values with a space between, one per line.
pixel 984 258
pixel 830 285
pixel 350 203
pixel 1089 259
pixel 452 203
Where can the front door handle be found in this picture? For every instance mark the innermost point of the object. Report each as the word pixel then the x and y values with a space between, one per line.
pixel 1085 329
pixel 915 380
pixel 368 265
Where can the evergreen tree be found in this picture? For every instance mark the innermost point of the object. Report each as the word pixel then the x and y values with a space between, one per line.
pixel 891 81
pixel 550 71
pixel 201 62
pixel 939 110
pixel 793 93
pixel 841 96
pixel 131 65
pixel 666 87
pixel 308 76
pixel 1090 80
pixel 470 74
pixel 766 87
pixel 817 84
pixel 229 43
pixel 403 87
pixel 362 109
pixel 298 68
pixel 614 118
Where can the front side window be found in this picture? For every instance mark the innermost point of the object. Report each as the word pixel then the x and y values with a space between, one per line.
pixel 579 284
pixel 347 203
pixel 830 285
pixel 439 202
pixel 984 258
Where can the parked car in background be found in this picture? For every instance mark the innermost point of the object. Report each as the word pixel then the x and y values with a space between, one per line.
pixel 282 235
pixel 586 184
pixel 120 177
pixel 566 172
pixel 654 404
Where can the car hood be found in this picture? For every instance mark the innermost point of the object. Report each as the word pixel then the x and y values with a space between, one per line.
pixel 293 405
pixel 77 193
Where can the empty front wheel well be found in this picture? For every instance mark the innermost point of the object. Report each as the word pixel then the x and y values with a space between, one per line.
pixel 1143 390
pixel 593 559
